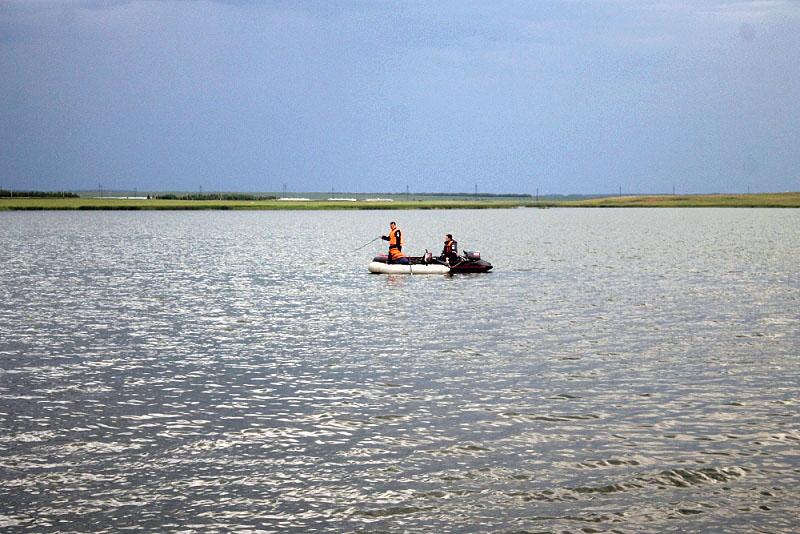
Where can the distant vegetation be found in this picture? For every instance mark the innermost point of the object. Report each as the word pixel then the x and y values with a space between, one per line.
pixel 235 201
pixel 759 200
pixel 211 196
pixel 4 193
pixel 462 195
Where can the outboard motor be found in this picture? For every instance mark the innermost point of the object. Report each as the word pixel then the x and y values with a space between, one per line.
pixel 426 259
pixel 470 255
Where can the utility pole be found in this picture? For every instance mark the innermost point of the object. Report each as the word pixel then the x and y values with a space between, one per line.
pixel 620 191
pixel 407 194
pixel 537 194
pixel 284 190
pixel 476 191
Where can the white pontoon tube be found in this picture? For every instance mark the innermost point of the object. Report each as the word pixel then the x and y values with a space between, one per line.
pixel 397 268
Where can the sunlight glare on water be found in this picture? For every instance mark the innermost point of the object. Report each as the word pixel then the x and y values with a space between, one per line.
pixel 628 370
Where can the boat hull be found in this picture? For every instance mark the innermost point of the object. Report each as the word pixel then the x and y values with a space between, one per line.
pixel 471 266
pixel 377 267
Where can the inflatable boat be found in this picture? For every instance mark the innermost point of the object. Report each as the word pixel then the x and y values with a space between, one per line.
pixel 470 262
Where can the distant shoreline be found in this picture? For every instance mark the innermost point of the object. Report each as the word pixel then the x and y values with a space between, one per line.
pixel 760 200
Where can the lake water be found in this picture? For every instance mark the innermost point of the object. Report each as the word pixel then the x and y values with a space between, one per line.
pixel 620 370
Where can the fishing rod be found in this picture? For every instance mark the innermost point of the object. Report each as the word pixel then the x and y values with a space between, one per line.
pixel 367 243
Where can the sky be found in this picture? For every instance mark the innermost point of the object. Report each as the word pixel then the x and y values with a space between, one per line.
pixel 556 96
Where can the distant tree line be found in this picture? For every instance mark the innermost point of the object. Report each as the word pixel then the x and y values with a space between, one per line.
pixel 5 193
pixel 212 196
pixel 483 195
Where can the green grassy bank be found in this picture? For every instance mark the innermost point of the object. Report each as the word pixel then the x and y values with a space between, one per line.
pixel 161 204
pixel 760 200
pixel 765 200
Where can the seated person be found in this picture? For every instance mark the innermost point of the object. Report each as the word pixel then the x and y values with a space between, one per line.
pixel 396 256
pixel 450 250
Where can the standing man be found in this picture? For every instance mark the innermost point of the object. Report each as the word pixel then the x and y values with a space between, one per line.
pixel 396 242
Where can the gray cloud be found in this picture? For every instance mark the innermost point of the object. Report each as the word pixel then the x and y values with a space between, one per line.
pixel 576 94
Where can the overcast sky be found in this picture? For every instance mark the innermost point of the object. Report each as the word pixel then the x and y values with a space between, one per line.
pixel 565 96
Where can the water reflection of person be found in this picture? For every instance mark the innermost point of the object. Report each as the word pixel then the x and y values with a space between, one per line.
pixel 450 250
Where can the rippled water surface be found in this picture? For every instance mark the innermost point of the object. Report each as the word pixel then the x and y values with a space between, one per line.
pixel 620 370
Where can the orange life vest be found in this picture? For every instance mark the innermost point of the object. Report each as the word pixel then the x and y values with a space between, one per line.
pixel 396 239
